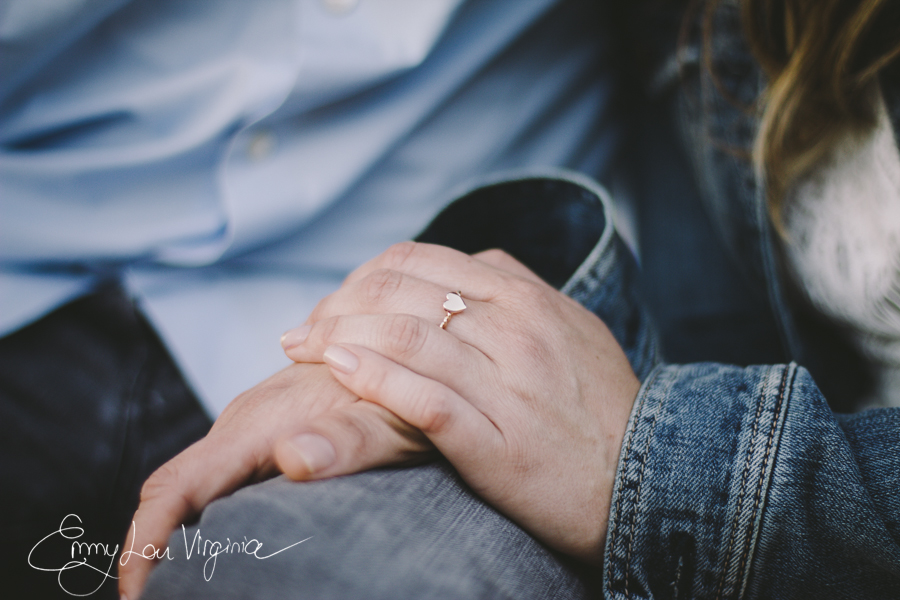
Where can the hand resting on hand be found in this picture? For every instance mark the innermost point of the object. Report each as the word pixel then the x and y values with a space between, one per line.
pixel 526 392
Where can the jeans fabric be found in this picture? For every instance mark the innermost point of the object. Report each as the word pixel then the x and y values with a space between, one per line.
pixel 383 534
pixel 90 405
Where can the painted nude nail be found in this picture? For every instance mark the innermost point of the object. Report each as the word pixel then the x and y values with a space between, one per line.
pixel 314 450
pixel 295 337
pixel 341 359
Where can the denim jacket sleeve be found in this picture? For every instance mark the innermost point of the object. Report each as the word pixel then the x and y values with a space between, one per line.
pixel 732 482
pixel 741 483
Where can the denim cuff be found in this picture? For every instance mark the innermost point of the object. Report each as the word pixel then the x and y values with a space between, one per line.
pixel 692 480
pixel 560 224
pixel 606 283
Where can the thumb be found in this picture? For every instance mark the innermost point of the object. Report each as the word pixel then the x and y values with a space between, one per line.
pixel 354 438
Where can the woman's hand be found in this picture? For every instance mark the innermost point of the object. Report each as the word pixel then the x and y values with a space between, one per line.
pixel 526 393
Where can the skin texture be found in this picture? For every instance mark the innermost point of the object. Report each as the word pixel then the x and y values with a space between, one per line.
pixel 526 393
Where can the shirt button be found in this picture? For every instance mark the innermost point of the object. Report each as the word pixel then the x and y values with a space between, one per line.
pixel 340 7
pixel 261 145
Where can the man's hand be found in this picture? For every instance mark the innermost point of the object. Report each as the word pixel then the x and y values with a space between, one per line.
pixel 291 422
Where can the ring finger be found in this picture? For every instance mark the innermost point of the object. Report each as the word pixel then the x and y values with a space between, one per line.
pixel 391 292
pixel 385 291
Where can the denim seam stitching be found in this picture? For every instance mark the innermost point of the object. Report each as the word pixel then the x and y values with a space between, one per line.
pixel 740 501
pixel 637 499
pixel 624 470
pixel 762 474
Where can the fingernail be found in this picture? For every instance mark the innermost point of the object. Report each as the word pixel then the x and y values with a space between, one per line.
pixel 341 359
pixel 295 337
pixel 314 450
pixel 123 597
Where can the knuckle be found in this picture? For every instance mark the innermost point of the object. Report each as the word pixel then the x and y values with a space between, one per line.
pixel 498 256
pixel 161 482
pixel 380 286
pixel 397 255
pixel 375 385
pixel 530 290
pixel 432 413
pixel 530 300
pixel 404 335
pixel 322 309
pixel 327 329
pixel 360 437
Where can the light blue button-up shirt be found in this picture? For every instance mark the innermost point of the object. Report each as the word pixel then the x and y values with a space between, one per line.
pixel 232 161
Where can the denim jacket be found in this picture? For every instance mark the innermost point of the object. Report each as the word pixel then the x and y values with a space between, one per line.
pixel 734 481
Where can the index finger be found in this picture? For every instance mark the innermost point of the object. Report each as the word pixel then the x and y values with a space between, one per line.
pixel 174 493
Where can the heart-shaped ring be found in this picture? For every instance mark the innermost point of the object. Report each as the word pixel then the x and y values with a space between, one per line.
pixel 453 305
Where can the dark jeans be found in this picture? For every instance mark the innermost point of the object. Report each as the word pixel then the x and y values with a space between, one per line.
pixel 90 405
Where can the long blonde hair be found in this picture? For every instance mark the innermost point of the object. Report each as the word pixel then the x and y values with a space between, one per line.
pixel 822 59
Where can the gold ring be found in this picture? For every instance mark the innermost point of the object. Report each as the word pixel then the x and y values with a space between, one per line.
pixel 453 305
